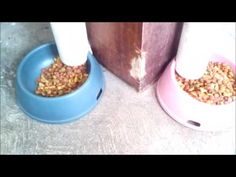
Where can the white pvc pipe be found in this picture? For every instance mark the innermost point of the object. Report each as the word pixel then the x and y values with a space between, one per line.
pixel 72 42
pixel 202 41
pixel 225 44
pixel 195 49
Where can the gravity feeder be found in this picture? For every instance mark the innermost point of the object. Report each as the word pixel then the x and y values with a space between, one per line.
pixel 198 87
pixel 71 51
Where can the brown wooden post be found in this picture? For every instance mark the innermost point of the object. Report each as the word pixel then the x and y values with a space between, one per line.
pixel 135 52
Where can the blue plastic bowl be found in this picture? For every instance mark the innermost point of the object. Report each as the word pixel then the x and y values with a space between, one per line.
pixel 59 109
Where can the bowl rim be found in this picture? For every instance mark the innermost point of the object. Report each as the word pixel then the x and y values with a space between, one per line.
pixel 27 57
pixel 172 74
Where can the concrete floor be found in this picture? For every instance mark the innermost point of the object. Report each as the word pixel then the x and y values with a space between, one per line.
pixel 124 122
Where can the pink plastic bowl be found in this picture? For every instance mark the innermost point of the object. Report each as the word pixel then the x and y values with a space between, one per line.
pixel 189 111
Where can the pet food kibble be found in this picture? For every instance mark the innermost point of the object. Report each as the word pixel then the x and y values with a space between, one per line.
pixel 59 79
pixel 217 85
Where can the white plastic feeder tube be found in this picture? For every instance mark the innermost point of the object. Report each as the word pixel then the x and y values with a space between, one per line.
pixel 225 45
pixel 72 42
pixel 195 49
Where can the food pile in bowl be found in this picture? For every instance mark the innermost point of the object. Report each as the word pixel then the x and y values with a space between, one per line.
pixel 59 79
pixel 217 86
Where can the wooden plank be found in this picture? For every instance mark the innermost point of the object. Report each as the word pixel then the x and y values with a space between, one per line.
pixel 135 52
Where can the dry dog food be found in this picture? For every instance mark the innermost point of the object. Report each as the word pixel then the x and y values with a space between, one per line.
pixel 59 79
pixel 217 85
